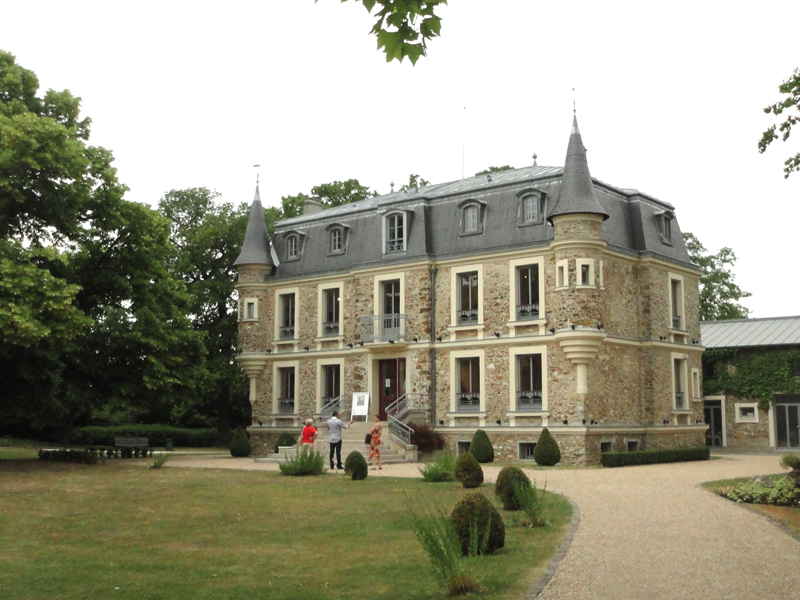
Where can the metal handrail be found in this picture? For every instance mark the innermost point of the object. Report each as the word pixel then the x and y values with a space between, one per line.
pixel 400 429
pixel 406 402
pixel 384 328
pixel 332 405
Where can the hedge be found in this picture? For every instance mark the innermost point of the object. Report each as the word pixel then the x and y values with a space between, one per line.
pixel 156 435
pixel 651 457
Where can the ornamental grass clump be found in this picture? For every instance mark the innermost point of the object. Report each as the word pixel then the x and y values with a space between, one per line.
pixel 481 447
pixel 160 459
pixel 240 445
pixel 355 465
pixel 440 470
pixel 547 452
pixel 505 489
pixel 468 471
pixel 530 502
pixel 479 526
pixel 306 462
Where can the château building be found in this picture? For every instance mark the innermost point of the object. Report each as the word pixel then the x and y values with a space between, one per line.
pixel 522 299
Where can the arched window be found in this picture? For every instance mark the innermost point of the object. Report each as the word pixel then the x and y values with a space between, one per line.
pixel 531 209
pixel 472 216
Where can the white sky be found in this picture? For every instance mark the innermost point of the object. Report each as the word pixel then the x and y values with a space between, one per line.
pixel 669 99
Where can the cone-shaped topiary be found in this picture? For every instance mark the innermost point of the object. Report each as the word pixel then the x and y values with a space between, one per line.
pixel 285 439
pixel 481 447
pixel 240 445
pixel 474 509
pixel 468 471
pixel 504 486
pixel 355 465
pixel 546 452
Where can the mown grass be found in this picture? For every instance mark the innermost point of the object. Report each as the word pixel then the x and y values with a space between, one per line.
pixel 786 516
pixel 123 531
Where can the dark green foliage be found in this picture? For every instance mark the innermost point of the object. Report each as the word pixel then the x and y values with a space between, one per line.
pixel 306 462
pixel 547 452
pixel 650 457
pixel 791 105
pixel 440 470
pixel 505 489
pixel 791 461
pixel 425 438
pixel 285 439
pixel 781 492
pixel 481 447
pixel 475 511
pixel 156 435
pixel 355 465
pixel 240 445
pixel 494 170
pixel 88 457
pixel 468 471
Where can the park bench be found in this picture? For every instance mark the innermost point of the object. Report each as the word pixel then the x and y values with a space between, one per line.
pixel 136 445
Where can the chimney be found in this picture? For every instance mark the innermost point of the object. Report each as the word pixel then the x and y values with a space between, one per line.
pixel 311 207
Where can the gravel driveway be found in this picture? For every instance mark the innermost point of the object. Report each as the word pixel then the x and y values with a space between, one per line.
pixel 650 532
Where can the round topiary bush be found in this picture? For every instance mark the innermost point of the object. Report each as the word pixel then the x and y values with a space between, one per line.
pixel 546 452
pixel 481 447
pixel 285 439
pixel 468 471
pixel 475 509
pixel 240 445
pixel 504 486
pixel 355 465
pixel 792 461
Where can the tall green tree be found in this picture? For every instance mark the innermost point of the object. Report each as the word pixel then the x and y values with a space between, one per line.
pixel 791 106
pixel 719 293
pixel 207 236
pixel 328 195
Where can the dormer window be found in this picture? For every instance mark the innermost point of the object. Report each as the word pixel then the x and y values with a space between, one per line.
pixel 336 241
pixel 472 216
pixel 664 220
pixel 337 238
pixel 395 233
pixel 471 219
pixel 293 241
pixel 531 208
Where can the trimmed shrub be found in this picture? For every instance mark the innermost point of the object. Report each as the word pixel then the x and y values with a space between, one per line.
pixel 306 462
pixel 468 471
pixel 481 447
pixel 156 435
pixel 75 455
pixel 505 489
pixel 547 452
pixel 285 439
pixel 426 439
pixel 440 470
pixel 651 457
pixel 355 465
pixel 479 526
pixel 240 445
pixel 791 461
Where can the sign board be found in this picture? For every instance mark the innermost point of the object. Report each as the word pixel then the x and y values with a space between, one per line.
pixel 360 405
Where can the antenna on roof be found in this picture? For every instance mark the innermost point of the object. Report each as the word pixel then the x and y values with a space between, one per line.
pixel 463 140
pixel 534 158
pixel 258 172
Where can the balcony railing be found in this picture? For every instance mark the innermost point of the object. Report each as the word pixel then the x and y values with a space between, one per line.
pixel 527 311
pixel 395 246
pixel 468 401
pixel 286 406
pixel 529 400
pixel 287 332
pixel 679 400
pixel 676 322
pixel 330 328
pixel 383 328
pixel 466 317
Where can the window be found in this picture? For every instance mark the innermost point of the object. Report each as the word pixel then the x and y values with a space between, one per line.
pixel 664 222
pixel 390 326
pixel 286 391
pixel 468 397
pixel 336 241
pixel 292 248
pixel 467 298
pixel 526 450
pixel 605 447
pixel 395 233
pixel 531 207
pixel 330 324
pixel 250 311
pixel 330 386
pixel 632 445
pixel 678 379
pixel 287 316
pixel 696 383
pixel 585 272
pixel 471 219
pixel 676 302
pixel 528 292
pixel 529 382
pixel 746 412
pixel 472 216
pixel 562 274
pixel 462 447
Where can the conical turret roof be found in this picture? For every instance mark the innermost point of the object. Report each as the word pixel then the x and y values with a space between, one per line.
pixel 255 250
pixel 577 190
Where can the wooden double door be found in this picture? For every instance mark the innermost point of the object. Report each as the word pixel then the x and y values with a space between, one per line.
pixel 392 383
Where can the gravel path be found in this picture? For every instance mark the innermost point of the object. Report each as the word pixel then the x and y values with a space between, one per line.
pixel 650 532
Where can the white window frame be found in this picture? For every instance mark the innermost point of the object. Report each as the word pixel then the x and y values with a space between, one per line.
pixel 455 356
pixel 684 360
pixel 579 264
pixel 276 384
pixel 279 314
pixel 562 274
pixel 513 354
pixel 292 247
pixel 245 303
pixel 697 392
pixel 455 272
pixel 513 265
pixel 322 309
pixel 403 216
pixel 681 302
pixel 738 406
pixel 540 201
pixel 600 277
pixel 321 364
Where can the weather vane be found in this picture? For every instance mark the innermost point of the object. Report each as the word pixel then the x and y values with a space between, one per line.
pixel 258 172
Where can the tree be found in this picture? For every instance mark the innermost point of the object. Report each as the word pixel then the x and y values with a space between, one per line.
pixel 494 170
pixel 328 195
pixel 404 27
pixel 414 181
pixel 719 294
pixel 206 236
pixel 790 87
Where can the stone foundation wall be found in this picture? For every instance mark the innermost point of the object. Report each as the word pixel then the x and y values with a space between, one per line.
pixel 262 440
pixel 506 444
pixel 745 435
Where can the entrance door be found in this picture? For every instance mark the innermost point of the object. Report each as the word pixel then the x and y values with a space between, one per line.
pixel 787 424
pixel 713 414
pixel 392 373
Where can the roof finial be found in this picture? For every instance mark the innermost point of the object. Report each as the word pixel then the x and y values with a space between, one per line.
pixel 391 185
pixel 573 101
pixel 534 158
pixel 258 172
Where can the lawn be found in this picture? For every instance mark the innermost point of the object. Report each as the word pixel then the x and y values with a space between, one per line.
pixel 124 531
pixel 786 516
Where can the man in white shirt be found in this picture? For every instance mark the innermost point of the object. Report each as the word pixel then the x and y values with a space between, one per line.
pixel 335 426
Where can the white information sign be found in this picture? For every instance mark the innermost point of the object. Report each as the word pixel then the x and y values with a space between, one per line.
pixel 360 405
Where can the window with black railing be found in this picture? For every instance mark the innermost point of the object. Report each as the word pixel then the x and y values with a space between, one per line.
pixel 528 292
pixel 395 233
pixel 676 302
pixel 330 325
pixel 287 303
pixel 680 403
pixel 529 382
pixel 468 398
pixel 286 390
pixel 468 301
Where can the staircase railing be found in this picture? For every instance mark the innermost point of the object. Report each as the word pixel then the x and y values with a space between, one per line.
pixel 400 429
pixel 406 402
pixel 336 403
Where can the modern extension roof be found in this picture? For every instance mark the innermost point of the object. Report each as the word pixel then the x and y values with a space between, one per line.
pixel 743 333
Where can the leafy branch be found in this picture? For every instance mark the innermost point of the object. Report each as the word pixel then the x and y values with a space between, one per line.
pixel 790 87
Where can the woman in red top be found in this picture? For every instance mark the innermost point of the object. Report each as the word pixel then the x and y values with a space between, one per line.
pixel 309 432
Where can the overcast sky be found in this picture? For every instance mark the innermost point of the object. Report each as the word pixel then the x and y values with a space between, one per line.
pixel 669 100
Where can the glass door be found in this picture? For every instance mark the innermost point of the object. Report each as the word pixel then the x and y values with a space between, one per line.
pixel 787 425
pixel 713 418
